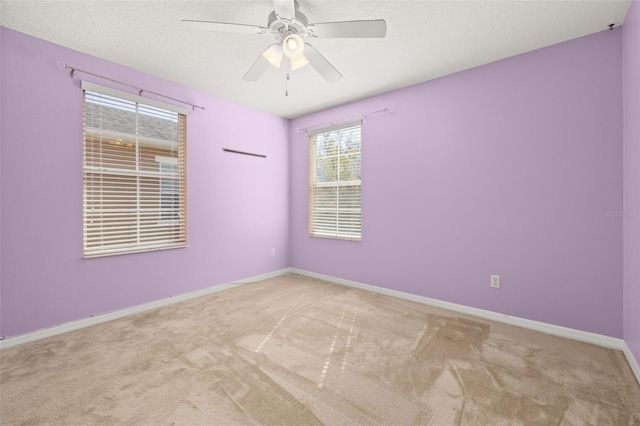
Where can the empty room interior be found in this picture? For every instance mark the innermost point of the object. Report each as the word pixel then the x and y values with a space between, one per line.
pixel 320 212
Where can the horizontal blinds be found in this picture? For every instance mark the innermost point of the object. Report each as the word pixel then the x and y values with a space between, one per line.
pixel 335 182
pixel 134 176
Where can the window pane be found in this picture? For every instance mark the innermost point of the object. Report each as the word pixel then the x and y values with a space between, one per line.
pixel 132 201
pixel 158 124
pixel 109 113
pixel 350 142
pixel 335 197
pixel 169 193
pixel 326 146
pixel 327 169
pixel 349 223
pixel 350 167
pixel 325 197
pixel 349 197
pixel 325 221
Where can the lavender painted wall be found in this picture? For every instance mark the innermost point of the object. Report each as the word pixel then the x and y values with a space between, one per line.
pixel 631 103
pixel 237 205
pixel 503 169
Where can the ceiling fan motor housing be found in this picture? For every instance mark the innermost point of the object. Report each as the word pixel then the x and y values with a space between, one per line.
pixel 279 29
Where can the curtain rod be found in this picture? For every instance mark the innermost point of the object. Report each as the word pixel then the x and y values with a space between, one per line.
pixel 244 152
pixel 140 90
pixel 344 120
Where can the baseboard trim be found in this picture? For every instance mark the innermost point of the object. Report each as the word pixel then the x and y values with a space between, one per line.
pixel 565 332
pixel 597 339
pixel 633 363
pixel 555 330
pixel 261 277
pixel 110 316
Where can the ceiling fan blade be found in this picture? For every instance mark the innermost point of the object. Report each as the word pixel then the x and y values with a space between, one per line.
pixel 376 28
pixel 320 64
pixel 257 69
pixel 285 9
pixel 223 27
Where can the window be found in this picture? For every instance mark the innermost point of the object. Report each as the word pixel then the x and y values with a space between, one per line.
pixel 169 189
pixel 134 173
pixel 334 183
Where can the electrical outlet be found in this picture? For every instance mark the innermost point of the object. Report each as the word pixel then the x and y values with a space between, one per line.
pixel 495 281
pixel 273 252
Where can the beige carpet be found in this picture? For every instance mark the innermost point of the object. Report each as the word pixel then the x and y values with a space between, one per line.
pixel 297 351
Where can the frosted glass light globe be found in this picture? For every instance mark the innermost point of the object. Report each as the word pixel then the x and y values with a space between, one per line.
pixel 293 46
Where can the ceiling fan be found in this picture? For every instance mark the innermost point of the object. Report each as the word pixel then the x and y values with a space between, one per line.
pixel 290 28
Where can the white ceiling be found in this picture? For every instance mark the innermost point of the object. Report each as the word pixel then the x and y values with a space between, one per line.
pixel 425 40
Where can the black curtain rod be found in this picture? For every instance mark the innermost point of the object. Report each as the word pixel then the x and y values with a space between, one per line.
pixel 244 153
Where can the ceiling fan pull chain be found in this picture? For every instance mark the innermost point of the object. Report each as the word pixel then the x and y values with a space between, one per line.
pixel 286 86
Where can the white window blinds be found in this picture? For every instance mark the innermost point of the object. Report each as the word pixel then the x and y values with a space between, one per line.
pixel 134 175
pixel 334 183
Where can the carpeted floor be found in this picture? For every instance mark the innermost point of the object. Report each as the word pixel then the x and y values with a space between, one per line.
pixel 297 351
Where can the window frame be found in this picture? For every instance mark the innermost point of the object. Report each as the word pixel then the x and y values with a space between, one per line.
pixel 106 231
pixel 316 225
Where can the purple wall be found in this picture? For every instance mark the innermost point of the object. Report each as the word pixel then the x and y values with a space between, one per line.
pixel 503 169
pixel 506 169
pixel 237 205
pixel 631 102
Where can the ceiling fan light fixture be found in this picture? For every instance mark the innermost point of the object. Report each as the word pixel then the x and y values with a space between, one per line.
pixel 293 46
pixel 298 62
pixel 291 29
pixel 274 55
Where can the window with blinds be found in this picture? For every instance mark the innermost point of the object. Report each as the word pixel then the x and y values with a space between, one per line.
pixel 134 174
pixel 334 183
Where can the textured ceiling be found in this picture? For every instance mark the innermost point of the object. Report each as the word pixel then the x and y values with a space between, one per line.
pixel 425 40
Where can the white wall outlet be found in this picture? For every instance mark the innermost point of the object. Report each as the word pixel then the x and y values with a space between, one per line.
pixel 495 281
pixel 273 252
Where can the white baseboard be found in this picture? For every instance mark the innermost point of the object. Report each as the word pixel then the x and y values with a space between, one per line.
pixel 261 277
pixel 633 363
pixel 565 332
pixel 110 316
pixel 555 330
